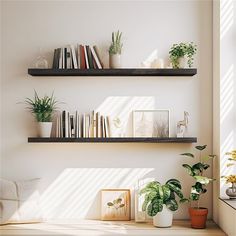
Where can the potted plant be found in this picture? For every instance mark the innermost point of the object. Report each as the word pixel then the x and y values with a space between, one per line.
pixel 160 201
pixel 198 214
pixel 43 109
pixel 115 50
pixel 182 54
pixel 231 191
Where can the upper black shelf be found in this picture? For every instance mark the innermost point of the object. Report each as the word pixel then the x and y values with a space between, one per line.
pixel 113 72
pixel 113 140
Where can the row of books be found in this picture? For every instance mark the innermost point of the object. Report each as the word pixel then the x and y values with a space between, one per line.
pixel 93 125
pixel 77 57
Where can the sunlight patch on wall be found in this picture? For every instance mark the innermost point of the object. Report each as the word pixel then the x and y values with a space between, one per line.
pixel 226 16
pixel 75 194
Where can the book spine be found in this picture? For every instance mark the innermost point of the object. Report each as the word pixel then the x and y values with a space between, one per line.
pixel 60 59
pixel 86 58
pixel 74 58
pixel 90 59
pixel 54 59
pixel 97 62
pixel 102 127
pixel 82 57
pixel 98 56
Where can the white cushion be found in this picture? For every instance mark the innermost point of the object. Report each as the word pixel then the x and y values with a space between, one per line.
pixel 19 201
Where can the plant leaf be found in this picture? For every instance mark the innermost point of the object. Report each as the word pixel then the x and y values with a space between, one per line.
pixel 203 180
pixel 200 148
pixel 188 154
pixel 189 169
pixel 172 205
pixel 174 182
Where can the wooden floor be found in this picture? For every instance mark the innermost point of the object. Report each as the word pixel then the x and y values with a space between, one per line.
pixel 97 228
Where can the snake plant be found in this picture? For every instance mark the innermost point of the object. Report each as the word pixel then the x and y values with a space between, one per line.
pixel 116 45
pixel 157 195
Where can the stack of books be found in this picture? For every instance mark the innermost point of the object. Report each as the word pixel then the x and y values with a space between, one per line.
pixel 92 125
pixel 77 57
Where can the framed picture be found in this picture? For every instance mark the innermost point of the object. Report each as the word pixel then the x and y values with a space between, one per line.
pixel 151 123
pixel 115 204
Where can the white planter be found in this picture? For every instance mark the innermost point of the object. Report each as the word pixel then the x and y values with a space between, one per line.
pixel 164 218
pixel 44 129
pixel 183 62
pixel 114 61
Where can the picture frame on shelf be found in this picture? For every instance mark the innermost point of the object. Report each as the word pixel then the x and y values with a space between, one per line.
pixel 115 204
pixel 151 123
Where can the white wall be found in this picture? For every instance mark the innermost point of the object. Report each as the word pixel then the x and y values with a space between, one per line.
pixel 73 173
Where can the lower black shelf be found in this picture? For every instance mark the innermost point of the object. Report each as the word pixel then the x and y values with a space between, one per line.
pixel 113 140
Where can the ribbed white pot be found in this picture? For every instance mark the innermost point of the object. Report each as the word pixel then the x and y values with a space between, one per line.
pixel 44 129
pixel 164 218
pixel 114 61
pixel 183 62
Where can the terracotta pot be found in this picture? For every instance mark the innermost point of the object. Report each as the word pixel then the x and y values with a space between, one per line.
pixel 198 217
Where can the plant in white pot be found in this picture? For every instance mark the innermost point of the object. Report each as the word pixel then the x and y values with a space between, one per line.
pixel 160 201
pixel 42 109
pixel 197 213
pixel 181 55
pixel 115 50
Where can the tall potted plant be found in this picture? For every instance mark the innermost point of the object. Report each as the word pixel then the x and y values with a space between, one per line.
pixel 115 50
pixel 160 201
pixel 197 213
pixel 181 55
pixel 42 109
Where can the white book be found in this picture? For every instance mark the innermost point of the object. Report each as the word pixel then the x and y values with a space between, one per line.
pixel 109 126
pixel 69 125
pixel 60 59
pixel 107 130
pixel 87 126
pixel 86 57
pixel 63 58
pixel 78 126
pixel 104 128
pixel 74 58
pixel 95 57
pixel 61 130
pixel 78 56
pixel 84 125
pixel 98 125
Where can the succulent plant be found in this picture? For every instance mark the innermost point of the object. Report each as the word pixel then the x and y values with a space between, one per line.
pixel 116 45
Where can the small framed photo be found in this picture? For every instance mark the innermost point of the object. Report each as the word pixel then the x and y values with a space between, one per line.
pixel 151 123
pixel 115 204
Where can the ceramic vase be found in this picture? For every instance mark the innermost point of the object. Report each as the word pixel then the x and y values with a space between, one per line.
pixel 182 61
pixel 164 218
pixel 44 129
pixel 115 61
pixel 231 191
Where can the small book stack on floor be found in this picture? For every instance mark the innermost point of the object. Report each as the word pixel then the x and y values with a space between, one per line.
pixel 77 57
pixel 84 125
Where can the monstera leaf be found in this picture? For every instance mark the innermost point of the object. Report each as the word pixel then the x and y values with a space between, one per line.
pixel 154 207
pixel 172 205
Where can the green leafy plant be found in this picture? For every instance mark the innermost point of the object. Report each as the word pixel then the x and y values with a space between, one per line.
pixel 42 108
pixel 156 195
pixel 196 171
pixel 116 45
pixel 181 50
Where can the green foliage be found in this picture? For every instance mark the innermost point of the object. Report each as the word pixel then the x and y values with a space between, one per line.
pixel 156 195
pixel 116 45
pixel 42 108
pixel 181 50
pixel 196 171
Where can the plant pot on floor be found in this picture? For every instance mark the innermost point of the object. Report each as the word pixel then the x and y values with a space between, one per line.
pixel 44 129
pixel 164 218
pixel 198 217
pixel 115 61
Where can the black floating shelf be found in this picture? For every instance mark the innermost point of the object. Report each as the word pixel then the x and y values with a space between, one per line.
pixel 113 72
pixel 112 140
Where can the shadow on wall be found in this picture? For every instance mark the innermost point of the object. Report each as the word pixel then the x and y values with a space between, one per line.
pixel 227 87
pixel 75 194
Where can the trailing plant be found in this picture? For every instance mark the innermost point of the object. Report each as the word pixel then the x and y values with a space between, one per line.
pixel 42 108
pixel 157 195
pixel 197 172
pixel 181 50
pixel 116 45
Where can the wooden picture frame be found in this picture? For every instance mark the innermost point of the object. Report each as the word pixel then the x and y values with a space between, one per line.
pixel 115 204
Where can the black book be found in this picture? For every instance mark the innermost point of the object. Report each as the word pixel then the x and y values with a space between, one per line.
pixel 65 58
pixel 90 58
pixel 64 124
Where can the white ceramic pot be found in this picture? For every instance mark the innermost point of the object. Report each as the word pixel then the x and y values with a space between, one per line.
pixel 183 62
pixel 44 129
pixel 114 61
pixel 164 218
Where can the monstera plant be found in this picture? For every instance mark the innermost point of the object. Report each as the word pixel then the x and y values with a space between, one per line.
pixel 160 201
pixel 198 214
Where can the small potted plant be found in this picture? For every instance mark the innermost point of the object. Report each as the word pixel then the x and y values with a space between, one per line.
pixel 42 109
pixel 160 201
pixel 115 50
pixel 231 191
pixel 182 54
pixel 198 214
